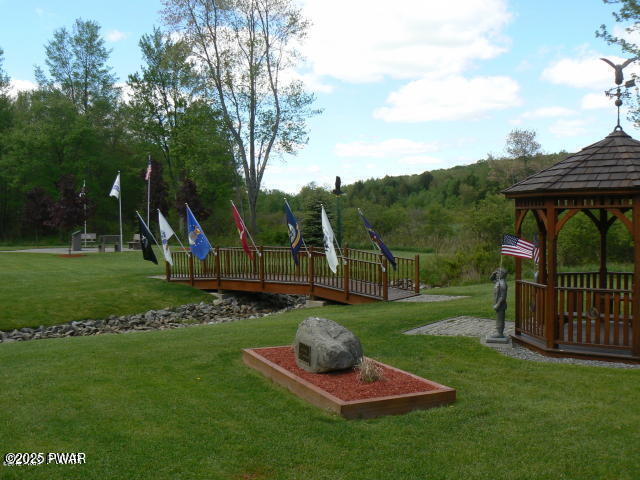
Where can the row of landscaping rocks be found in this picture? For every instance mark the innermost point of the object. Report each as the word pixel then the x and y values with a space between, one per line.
pixel 226 309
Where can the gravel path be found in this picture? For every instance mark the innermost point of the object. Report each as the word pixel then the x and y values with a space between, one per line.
pixel 481 327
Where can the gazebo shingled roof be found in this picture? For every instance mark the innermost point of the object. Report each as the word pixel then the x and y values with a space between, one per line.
pixel 610 164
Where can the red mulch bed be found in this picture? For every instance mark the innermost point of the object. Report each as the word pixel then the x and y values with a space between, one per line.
pixel 345 384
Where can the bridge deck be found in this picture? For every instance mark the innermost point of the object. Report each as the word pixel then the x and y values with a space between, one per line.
pixel 361 277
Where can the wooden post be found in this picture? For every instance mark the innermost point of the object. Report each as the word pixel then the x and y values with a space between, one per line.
pixel 416 282
pixel 635 297
pixel 550 297
pixel 345 272
pixel 518 276
pixel 262 272
pixel 602 227
pixel 191 275
pixel 311 272
pixel 167 269
pixel 385 280
pixel 217 266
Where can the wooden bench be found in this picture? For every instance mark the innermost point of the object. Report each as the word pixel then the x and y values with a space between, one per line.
pixel 135 243
pixel 88 237
pixel 109 240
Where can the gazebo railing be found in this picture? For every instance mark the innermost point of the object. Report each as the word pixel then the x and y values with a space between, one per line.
pixel 594 317
pixel 531 308
pixel 614 280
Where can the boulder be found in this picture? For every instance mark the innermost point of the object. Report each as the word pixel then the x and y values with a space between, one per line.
pixel 322 345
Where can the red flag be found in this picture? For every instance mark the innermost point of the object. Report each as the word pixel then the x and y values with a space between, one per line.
pixel 242 230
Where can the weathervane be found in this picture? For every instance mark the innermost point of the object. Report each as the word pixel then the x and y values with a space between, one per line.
pixel 616 91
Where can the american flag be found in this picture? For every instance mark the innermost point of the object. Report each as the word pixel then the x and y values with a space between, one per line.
pixel 148 174
pixel 516 247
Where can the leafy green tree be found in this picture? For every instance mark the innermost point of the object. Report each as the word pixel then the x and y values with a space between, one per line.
pixel 77 63
pixel 4 78
pixel 245 48
pixel 37 211
pixel 68 211
pixel 312 198
pixel 161 93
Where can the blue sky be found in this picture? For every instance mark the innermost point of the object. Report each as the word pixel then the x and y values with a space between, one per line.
pixel 414 86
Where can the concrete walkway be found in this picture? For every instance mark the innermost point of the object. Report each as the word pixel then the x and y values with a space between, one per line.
pixel 430 298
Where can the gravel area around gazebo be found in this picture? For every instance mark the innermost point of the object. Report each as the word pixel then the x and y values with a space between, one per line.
pixel 466 326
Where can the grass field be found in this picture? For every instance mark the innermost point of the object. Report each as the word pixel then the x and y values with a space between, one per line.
pixel 44 289
pixel 179 404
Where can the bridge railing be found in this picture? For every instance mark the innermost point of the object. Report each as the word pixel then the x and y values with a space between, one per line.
pixel 358 271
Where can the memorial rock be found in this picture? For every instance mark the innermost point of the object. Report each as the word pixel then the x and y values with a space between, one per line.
pixel 322 345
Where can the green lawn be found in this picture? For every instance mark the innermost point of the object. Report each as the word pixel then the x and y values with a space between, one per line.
pixel 180 404
pixel 44 289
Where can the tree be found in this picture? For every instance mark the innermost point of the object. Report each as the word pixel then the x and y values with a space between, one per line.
pixel 68 211
pixel 522 144
pixel 313 198
pixel 37 210
pixel 245 49
pixel 188 194
pixel 4 78
pixel 78 67
pixel 629 14
pixel 162 92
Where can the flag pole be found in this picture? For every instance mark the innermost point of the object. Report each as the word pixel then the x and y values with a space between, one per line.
pixel 334 238
pixel 120 210
pixel 375 247
pixel 84 201
pixel 301 237
pixel 148 189
pixel 146 225
pixel 246 229
pixel 176 235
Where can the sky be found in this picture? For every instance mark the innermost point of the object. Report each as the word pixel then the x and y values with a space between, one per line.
pixel 404 87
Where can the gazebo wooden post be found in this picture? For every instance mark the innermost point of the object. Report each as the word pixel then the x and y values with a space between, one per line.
pixel 518 272
pixel 603 228
pixel 550 294
pixel 635 297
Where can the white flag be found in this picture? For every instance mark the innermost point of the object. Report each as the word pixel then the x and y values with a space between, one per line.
pixel 115 190
pixel 166 232
pixel 329 249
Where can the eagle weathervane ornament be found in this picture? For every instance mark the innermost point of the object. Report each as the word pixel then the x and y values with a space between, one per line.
pixel 619 78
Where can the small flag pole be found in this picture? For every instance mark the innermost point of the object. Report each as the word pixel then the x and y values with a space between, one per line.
pixel 146 225
pixel 301 237
pixel 148 189
pixel 84 202
pixel 120 211
pixel 375 247
pixel 176 235
pixel 246 229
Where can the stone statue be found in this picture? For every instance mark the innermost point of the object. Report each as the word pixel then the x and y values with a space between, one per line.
pixel 499 277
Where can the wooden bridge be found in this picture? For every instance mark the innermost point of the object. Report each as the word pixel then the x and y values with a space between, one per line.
pixel 361 277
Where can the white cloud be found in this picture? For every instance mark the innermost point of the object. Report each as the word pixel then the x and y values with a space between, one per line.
pixel 115 36
pixel 592 101
pixel 569 127
pixel 384 149
pixel 367 40
pixel 40 12
pixel 449 98
pixel 587 71
pixel 125 91
pixel 549 112
pixel 17 86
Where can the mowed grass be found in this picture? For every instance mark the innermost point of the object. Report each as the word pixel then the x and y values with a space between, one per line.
pixel 180 404
pixel 45 289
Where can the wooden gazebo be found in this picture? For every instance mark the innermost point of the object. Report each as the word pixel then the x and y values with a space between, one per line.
pixel 584 314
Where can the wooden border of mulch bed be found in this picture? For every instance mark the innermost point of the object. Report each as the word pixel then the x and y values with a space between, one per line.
pixel 436 395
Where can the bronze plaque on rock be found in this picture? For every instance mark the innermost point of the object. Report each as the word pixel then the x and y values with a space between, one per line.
pixel 304 353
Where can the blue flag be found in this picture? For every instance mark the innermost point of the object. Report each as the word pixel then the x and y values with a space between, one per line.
pixel 375 238
pixel 198 242
pixel 295 236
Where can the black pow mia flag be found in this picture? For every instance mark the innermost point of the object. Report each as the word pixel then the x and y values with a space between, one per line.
pixel 146 239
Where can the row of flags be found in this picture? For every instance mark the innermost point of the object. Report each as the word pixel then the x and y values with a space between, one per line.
pixel 200 246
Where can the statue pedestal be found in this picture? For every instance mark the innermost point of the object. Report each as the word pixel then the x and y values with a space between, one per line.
pixel 490 339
